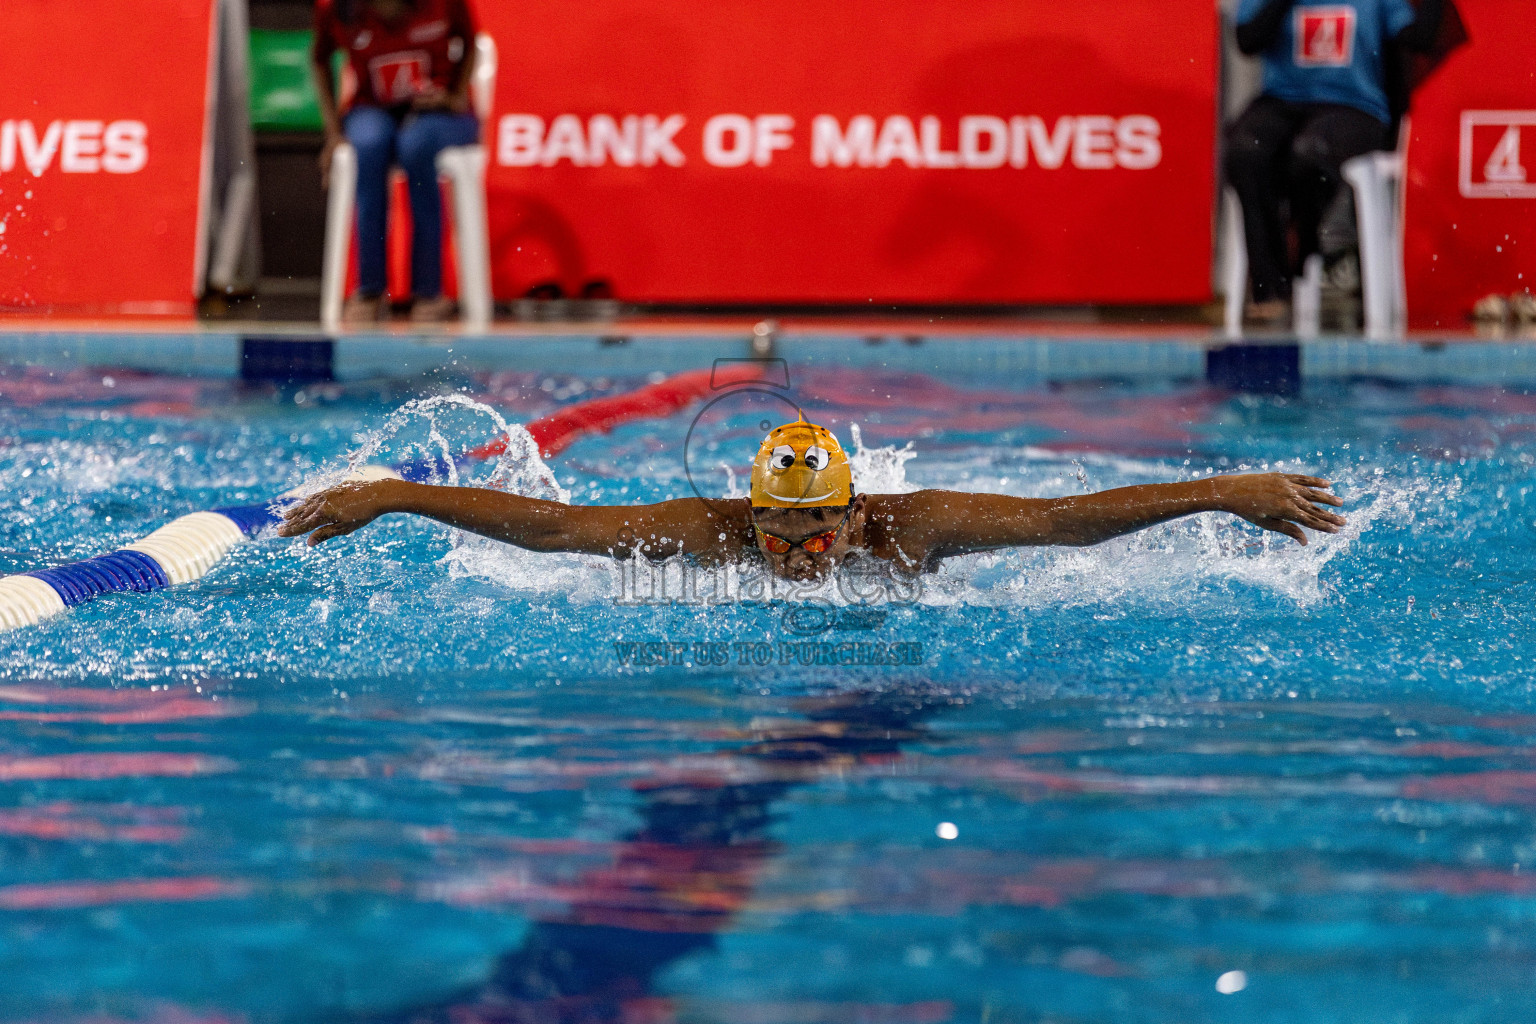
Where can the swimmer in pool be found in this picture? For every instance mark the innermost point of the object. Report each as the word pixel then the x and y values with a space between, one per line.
pixel 803 517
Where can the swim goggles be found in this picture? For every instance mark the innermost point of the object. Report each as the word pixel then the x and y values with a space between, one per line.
pixel 816 543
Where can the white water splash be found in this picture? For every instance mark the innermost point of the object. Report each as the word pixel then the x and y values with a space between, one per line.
pixel 879 470
pixel 425 429
pixel 733 488
pixel 519 469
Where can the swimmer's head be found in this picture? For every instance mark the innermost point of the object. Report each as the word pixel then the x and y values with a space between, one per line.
pixel 804 513
pixel 801 465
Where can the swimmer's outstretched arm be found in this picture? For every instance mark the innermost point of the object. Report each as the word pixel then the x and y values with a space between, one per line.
pixel 682 526
pixel 1282 502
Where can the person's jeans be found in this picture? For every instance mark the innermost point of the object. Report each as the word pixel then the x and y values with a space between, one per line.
pixel 1278 151
pixel 414 142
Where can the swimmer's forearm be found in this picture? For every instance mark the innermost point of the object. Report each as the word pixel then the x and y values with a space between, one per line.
pixel 987 522
pixel 530 523
pixel 526 522
pixel 1087 519
pixel 1282 502
pixel 655 531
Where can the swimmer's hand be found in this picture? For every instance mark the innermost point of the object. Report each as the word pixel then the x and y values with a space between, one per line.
pixel 1282 502
pixel 337 511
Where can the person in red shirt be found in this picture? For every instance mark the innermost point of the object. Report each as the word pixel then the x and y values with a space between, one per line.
pixel 411 61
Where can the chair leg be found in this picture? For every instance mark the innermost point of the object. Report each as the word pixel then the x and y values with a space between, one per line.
pixel 234 229
pixel 1390 167
pixel 1373 208
pixel 464 167
pixel 338 235
pixel 1235 266
pixel 1307 298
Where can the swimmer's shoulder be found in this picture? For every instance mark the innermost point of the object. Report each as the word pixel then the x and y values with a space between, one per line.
pixel 725 533
pixel 906 529
pixel 692 509
pixel 715 527
pixel 911 508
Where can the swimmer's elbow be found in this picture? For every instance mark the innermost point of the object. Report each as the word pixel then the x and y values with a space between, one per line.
pixel 1069 534
pixel 543 541
pixel 545 533
pixel 1084 520
pixel 1055 523
pixel 580 539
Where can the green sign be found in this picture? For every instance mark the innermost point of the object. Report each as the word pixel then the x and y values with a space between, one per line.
pixel 282 95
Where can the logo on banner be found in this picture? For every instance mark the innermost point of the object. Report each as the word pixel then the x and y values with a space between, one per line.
pixel 1495 145
pixel 1325 37
pixel 398 77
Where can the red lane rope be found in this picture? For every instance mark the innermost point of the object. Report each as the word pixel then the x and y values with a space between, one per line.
pixel 557 431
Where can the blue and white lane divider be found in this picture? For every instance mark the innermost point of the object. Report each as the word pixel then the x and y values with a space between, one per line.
pixel 179 552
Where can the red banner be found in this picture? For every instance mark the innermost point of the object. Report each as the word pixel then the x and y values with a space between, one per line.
pixel 857 151
pixel 1470 196
pixel 102 115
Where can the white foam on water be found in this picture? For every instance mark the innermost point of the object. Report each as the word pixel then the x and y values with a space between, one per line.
pixel 81 468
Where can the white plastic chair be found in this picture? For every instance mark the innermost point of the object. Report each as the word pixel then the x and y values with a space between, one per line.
pixel 463 167
pixel 1377 180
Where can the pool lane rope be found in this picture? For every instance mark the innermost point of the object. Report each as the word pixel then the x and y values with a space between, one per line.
pixel 186 548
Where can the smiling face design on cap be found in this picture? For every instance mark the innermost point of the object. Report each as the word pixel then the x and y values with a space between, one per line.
pixel 801 465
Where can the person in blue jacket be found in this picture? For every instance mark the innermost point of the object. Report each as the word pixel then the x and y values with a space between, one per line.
pixel 1324 101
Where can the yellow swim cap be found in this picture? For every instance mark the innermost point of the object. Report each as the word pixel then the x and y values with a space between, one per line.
pixel 801 465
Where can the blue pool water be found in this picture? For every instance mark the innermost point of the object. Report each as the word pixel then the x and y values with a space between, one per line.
pixel 415 776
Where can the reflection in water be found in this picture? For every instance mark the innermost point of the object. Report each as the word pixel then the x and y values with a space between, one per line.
pixel 679 879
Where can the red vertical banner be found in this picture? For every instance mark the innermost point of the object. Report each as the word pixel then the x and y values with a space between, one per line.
pixel 103 111
pixel 862 151
pixel 1470 196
